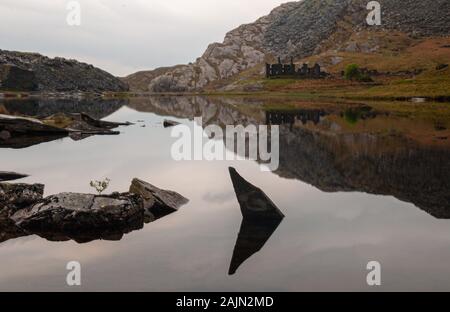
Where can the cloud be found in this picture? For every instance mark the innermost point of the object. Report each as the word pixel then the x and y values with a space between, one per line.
pixel 125 36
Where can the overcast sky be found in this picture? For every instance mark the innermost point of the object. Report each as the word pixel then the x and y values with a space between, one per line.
pixel 124 36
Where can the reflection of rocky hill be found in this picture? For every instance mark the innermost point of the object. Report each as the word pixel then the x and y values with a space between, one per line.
pixel 223 111
pixel 335 162
pixel 97 108
pixel 367 163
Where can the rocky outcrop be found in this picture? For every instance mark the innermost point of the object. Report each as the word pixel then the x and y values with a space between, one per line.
pixel 296 29
pixel 71 213
pixel 81 217
pixel 35 72
pixel 157 203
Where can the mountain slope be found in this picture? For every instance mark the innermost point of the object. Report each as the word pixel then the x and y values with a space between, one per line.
pixel 34 72
pixel 298 29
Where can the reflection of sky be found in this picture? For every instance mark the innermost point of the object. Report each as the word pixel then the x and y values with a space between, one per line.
pixel 324 243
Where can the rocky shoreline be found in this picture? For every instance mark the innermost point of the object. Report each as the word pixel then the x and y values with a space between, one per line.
pixel 82 217
pixel 20 132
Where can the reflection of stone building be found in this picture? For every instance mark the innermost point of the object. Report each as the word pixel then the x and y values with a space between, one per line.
pixel 290 70
pixel 274 117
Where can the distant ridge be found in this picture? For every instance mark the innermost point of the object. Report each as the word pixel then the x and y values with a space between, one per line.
pixel 21 71
pixel 298 29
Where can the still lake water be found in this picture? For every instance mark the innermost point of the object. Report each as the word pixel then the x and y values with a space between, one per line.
pixel 355 185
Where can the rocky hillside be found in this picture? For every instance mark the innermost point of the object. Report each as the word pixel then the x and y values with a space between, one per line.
pixel 298 29
pixel 34 72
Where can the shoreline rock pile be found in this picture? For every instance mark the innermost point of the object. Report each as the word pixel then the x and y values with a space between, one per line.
pixel 82 217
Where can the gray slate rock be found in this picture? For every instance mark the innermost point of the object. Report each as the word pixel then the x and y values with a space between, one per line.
pixel 81 217
pixel 253 201
pixel 158 203
pixel 71 212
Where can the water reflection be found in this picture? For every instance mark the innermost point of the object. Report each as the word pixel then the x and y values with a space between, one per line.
pixel 84 115
pixel 329 158
pixel 324 148
pixel 261 218
pixel 8 229
pixel 41 108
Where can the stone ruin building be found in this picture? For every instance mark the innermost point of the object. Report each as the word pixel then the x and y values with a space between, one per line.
pixel 281 70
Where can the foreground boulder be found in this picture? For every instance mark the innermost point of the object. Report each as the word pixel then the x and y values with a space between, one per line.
pixel 84 217
pixel 158 203
pixel 73 212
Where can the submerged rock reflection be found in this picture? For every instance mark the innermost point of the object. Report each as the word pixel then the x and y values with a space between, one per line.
pixel 261 218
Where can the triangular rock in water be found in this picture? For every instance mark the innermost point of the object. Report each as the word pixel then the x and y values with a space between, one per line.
pixel 253 201
pixel 261 219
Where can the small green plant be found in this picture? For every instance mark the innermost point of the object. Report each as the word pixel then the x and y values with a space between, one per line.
pixel 100 186
pixel 353 72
